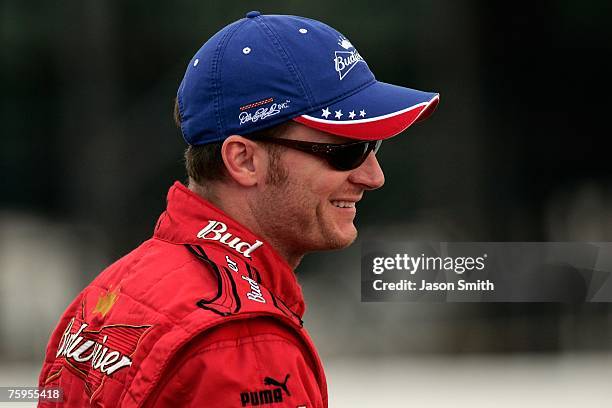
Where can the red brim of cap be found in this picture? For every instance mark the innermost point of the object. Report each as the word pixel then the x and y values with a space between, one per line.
pixel 377 112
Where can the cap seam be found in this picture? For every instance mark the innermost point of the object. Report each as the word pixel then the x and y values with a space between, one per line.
pixel 179 101
pixel 221 47
pixel 289 61
pixel 307 90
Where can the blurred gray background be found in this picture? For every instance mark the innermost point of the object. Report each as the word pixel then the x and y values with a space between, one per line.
pixel 517 151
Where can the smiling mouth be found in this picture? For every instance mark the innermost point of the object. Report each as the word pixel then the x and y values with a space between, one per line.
pixel 343 204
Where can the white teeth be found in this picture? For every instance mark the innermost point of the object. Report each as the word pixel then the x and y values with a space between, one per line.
pixel 344 204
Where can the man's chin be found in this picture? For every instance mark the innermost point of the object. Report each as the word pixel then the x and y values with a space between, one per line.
pixel 343 238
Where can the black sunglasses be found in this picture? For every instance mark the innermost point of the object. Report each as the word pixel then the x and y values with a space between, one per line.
pixel 344 156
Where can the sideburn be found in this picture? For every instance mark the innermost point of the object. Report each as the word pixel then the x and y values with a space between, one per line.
pixel 277 172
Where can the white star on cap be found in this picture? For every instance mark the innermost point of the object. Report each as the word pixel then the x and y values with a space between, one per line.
pixel 362 113
pixel 338 114
pixel 326 113
pixel 352 114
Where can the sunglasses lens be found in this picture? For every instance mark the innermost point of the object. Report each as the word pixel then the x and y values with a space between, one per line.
pixel 352 156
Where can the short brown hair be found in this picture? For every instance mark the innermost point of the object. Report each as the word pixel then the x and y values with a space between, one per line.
pixel 204 163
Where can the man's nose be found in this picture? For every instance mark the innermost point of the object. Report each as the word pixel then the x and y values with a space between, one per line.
pixel 369 174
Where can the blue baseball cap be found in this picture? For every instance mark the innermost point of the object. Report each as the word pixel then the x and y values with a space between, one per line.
pixel 264 70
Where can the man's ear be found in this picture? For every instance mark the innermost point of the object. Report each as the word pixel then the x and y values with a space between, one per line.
pixel 244 160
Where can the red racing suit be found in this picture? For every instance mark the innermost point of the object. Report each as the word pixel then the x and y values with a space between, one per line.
pixel 202 314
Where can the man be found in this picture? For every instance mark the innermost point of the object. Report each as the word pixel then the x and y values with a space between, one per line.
pixel 283 119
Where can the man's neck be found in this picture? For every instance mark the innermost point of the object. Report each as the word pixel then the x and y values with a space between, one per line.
pixel 237 208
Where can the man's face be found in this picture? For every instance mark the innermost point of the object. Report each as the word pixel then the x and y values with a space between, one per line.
pixel 313 207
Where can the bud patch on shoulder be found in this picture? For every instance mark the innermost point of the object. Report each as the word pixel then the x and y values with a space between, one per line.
pixel 217 231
